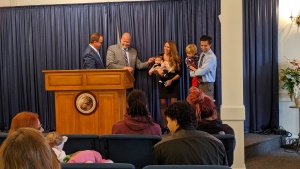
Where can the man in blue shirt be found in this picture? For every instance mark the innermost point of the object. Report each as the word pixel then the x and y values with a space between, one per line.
pixel 207 66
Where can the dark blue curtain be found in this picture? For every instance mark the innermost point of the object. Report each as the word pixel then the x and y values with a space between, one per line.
pixel 37 38
pixel 151 24
pixel 260 64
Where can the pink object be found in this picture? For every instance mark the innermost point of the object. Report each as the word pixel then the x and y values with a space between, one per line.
pixel 88 156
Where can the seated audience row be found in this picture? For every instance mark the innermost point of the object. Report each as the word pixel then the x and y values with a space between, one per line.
pixel 182 117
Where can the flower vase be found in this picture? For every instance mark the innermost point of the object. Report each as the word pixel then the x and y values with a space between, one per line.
pixel 297 102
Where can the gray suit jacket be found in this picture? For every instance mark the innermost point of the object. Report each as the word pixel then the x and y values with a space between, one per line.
pixel 115 58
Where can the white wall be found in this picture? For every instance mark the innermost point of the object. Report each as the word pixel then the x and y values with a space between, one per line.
pixel 289 46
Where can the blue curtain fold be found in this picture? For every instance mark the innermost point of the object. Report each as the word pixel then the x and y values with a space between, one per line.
pixel 152 24
pixel 260 19
pixel 36 38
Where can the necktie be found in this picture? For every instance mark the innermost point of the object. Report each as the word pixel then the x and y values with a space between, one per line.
pixel 199 66
pixel 102 65
pixel 201 60
pixel 125 57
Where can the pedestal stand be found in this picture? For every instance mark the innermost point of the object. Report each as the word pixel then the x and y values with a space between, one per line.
pixel 296 144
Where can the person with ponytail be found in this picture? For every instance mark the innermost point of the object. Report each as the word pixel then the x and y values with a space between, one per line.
pixel 207 113
pixel 137 119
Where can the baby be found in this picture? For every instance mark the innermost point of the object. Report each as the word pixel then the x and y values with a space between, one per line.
pixel 56 142
pixel 159 64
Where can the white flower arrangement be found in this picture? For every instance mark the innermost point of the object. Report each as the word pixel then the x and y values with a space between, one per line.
pixel 290 77
pixel 297 91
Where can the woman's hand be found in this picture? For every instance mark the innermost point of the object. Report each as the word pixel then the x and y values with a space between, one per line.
pixel 160 72
pixel 168 83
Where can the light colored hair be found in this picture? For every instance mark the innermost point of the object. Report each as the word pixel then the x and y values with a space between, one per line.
pixel 174 60
pixel 54 139
pixel 24 119
pixel 191 48
pixel 27 148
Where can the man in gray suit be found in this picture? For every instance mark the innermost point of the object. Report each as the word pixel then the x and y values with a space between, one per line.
pixel 122 56
pixel 92 58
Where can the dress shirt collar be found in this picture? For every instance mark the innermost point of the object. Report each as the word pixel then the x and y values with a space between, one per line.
pixel 208 53
pixel 95 49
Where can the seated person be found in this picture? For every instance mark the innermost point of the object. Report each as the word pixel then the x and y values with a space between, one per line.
pixel 26 119
pixel 56 142
pixel 137 119
pixel 207 114
pixel 26 148
pixel 186 145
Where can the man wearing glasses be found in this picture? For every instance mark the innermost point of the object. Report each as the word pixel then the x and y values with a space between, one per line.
pixel 92 58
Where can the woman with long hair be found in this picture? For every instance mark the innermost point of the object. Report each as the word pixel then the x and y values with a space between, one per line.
pixel 27 148
pixel 170 89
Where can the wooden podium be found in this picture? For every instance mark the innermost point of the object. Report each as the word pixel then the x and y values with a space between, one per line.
pixel 107 85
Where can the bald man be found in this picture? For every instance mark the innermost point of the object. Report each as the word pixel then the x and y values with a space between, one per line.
pixel 122 56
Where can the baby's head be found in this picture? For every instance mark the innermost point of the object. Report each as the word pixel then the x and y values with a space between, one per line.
pixel 191 50
pixel 158 59
pixel 56 140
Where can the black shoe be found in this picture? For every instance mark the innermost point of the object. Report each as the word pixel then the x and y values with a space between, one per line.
pixel 165 130
pixel 160 82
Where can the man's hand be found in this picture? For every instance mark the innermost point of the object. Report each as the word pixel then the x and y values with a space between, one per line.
pixel 129 69
pixel 192 68
pixel 150 60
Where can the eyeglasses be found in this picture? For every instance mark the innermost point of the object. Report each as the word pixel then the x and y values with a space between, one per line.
pixel 39 126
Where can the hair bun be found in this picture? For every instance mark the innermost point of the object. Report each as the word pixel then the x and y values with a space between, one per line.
pixel 196 95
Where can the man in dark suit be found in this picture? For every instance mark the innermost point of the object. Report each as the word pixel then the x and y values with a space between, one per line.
pixel 122 56
pixel 92 58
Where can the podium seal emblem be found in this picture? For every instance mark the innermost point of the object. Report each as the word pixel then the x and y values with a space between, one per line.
pixel 86 102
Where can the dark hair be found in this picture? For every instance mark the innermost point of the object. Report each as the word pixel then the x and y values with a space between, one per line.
pixel 206 38
pixel 160 56
pixel 137 104
pixel 183 112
